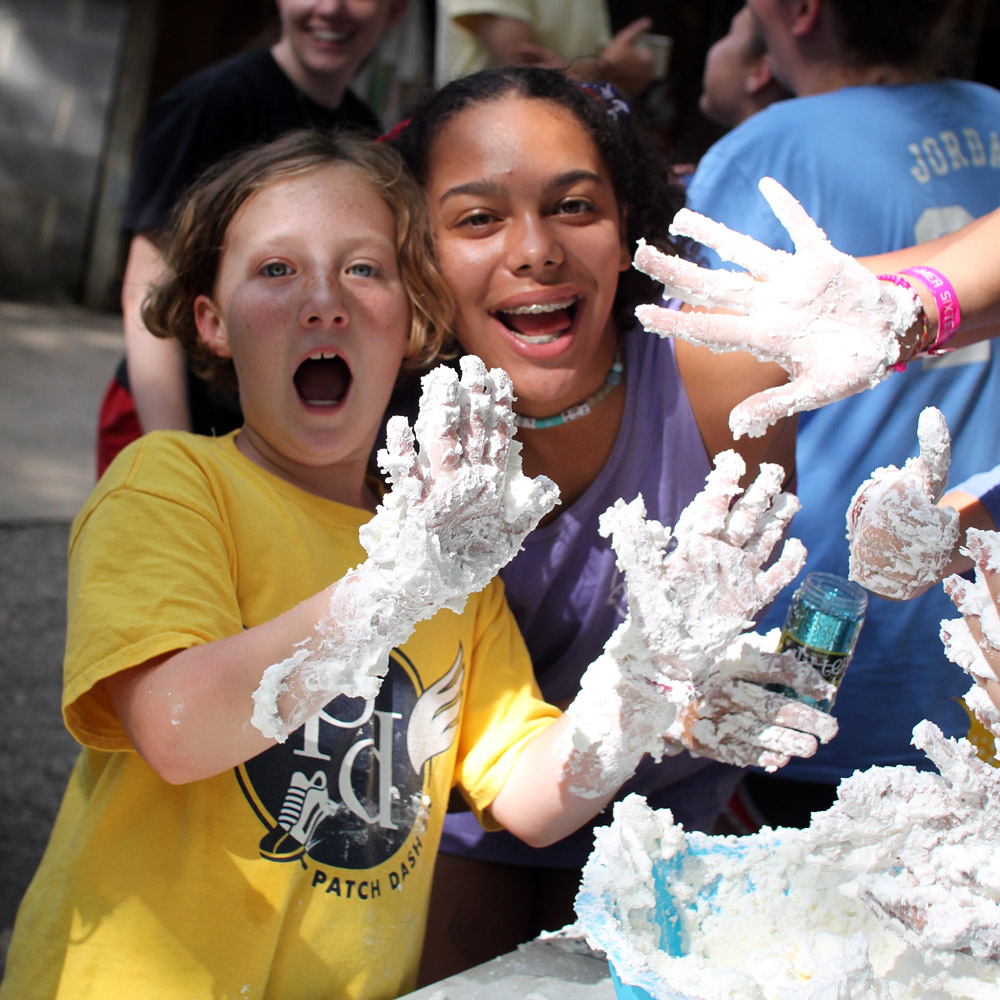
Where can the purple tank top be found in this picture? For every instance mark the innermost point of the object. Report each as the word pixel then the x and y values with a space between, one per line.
pixel 568 595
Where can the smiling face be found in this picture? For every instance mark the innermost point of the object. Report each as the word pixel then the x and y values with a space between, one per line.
pixel 310 305
pixel 528 235
pixel 332 37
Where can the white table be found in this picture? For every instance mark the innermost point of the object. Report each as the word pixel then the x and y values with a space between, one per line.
pixel 544 969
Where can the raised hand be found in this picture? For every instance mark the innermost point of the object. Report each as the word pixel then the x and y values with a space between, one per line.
pixel 900 541
pixel 460 506
pixel 831 324
pixel 690 601
pixel 458 510
pixel 681 672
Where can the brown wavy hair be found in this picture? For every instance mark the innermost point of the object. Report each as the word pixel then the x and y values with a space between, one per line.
pixel 203 215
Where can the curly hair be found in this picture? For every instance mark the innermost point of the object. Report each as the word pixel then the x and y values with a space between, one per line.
pixel 203 215
pixel 647 196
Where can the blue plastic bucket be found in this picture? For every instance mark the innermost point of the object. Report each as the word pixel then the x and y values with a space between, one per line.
pixel 627 931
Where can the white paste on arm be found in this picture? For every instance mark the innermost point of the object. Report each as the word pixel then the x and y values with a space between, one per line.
pixel 680 672
pixel 458 510
pixel 900 541
pixel 830 323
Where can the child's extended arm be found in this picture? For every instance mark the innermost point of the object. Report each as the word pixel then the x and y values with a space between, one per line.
pixel 680 672
pixel 819 313
pixel 457 512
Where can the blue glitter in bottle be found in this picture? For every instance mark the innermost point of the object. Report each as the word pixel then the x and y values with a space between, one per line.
pixel 822 626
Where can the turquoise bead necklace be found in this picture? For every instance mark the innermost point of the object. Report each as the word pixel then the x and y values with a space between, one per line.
pixel 614 376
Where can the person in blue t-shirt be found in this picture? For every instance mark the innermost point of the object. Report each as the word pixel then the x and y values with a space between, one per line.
pixel 883 153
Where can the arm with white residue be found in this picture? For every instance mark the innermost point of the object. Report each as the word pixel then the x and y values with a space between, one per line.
pixel 682 671
pixel 458 510
pixel 830 323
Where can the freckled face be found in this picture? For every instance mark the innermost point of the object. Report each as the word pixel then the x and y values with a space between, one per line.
pixel 310 305
pixel 528 235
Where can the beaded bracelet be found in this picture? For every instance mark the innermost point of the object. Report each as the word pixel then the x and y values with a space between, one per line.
pixel 949 314
pixel 925 336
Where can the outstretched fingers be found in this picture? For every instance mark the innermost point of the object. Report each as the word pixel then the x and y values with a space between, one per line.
pixel 708 512
pixel 715 330
pixel 749 509
pixel 439 420
pixel 805 234
pixel 742 250
pixel 690 282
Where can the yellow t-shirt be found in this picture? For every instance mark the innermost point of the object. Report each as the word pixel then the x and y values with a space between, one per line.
pixel 305 872
pixel 570 28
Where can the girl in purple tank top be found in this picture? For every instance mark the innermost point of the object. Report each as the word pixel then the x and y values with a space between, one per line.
pixel 538 190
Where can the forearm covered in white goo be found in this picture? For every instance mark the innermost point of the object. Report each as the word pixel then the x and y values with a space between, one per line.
pixel 458 511
pixel 614 720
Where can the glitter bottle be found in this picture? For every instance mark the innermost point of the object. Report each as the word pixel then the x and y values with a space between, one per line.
pixel 822 626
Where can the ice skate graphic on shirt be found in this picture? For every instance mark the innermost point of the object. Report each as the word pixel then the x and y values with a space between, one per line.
pixel 350 786
pixel 306 806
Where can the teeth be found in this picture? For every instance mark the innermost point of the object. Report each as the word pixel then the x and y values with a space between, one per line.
pixel 331 36
pixel 536 309
pixel 320 356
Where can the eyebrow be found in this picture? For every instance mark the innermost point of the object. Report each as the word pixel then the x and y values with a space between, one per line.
pixel 493 189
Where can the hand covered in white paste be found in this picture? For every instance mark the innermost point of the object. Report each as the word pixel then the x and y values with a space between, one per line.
pixel 660 685
pixel 460 506
pixel 695 589
pixel 934 879
pixel 900 541
pixel 973 641
pixel 731 716
pixel 831 324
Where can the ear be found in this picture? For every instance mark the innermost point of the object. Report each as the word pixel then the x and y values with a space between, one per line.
pixel 211 328
pixel 805 16
pixel 759 76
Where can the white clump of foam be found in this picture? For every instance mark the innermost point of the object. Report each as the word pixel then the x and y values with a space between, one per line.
pixel 458 510
pixel 892 893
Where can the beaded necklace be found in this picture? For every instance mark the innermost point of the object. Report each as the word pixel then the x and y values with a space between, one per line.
pixel 578 410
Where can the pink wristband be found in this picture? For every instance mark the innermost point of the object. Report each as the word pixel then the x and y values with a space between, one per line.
pixel 949 313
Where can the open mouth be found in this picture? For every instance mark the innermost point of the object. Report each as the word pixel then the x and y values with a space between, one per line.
pixel 322 379
pixel 539 323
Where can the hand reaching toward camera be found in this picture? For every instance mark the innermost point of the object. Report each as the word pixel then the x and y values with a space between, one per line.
pixel 900 541
pixel 459 509
pixel 680 672
pixel 831 324
pixel 690 599
pixel 460 506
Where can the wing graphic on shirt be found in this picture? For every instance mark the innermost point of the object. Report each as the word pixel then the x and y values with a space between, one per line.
pixel 435 715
